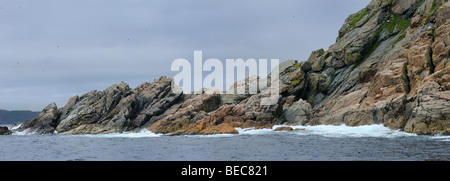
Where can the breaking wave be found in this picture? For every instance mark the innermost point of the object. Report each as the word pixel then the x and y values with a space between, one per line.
pixel 347 131
pixel 14 127
pixel 343 131
pixel 440 138
pixel 144 133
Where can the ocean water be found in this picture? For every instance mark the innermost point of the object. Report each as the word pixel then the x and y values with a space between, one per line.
pixel 315 143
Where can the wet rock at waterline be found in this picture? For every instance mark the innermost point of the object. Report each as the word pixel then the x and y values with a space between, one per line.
pixel 4 131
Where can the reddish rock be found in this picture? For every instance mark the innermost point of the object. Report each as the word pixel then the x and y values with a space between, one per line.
pixel 284 128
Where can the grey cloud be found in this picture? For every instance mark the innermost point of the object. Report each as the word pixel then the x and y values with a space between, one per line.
pixel 53 49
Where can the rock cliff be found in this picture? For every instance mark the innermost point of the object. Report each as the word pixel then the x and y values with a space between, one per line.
pixel 390 65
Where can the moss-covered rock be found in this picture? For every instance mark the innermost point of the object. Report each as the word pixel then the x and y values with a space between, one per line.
pixel 305 66
pixel 315 55
pixel 318 65
pixel 355 18
pixel 318 84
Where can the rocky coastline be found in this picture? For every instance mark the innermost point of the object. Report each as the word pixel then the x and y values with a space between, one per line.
pixel 390 65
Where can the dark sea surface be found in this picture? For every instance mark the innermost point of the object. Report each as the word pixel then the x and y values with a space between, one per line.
pixel 321 143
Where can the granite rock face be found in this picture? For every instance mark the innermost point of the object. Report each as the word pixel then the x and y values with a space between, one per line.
pixel 394 71
pixel 116 109
pixel 298 113
pixel 45 123
pixel 390 65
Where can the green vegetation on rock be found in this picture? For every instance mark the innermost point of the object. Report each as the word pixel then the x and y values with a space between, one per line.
pixel 356 18
pixel 396 24
pixel 296 66
pixel 433 7
pixel 431 16
pixel 400 38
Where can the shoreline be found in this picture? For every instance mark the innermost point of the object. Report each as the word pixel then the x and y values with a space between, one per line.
pixel 333 131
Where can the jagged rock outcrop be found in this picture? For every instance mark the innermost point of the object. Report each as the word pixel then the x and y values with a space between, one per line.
pixel 190 112
pixel 385 56
pixel 298 113
pixel 206 114
pixel 116 109
pixel 390 65
pixel 154 98
pixel 431 110
pixel 4 131
pixel 99 111
pixel 45 123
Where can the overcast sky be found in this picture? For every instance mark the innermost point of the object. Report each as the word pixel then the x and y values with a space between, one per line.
pixel 51 50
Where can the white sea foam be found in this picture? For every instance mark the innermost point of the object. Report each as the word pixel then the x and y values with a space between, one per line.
pixel 144 133
pixel 211 136
pixel 440 138
pixel 336 131
pixel 358 131
pixel 14 126
pixel 10 126
pixel 322 130
pixel 24 132
pixel 253 131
